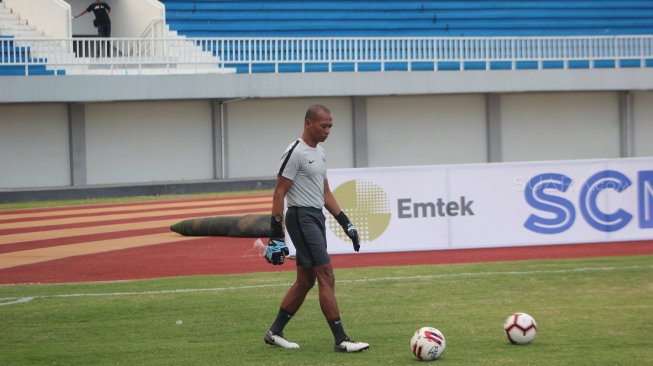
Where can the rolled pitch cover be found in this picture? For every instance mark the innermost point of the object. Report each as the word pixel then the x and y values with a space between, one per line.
pixel 247 226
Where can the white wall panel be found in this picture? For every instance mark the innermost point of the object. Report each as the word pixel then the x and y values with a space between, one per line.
pixel 260 130
pixel 643 123
pixel 149 141
pixel 555 126
pixel 421 130
pixel 34 145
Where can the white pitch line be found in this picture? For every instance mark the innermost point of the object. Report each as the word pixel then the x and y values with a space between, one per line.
pixel 20 300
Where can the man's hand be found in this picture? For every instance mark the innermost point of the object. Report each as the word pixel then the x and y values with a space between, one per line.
pixel 349 229
pixel 352 233
pixel 276 252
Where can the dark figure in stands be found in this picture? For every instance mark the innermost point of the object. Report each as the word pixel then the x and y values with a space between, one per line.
pixel 102 21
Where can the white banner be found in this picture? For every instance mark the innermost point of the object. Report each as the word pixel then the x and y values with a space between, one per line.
pixel 494 205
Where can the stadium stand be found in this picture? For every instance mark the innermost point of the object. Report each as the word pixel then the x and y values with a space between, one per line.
pixel 216 18
pixel 410 18
pixel 17 59
pixel 252 36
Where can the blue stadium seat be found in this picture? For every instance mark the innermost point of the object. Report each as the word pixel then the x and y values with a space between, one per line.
pixel 215 18
pixel 32 70
pixel 404 18
pixel 11 56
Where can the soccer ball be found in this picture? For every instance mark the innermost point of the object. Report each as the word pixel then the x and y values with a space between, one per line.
pixel 427 344
pixel 520 328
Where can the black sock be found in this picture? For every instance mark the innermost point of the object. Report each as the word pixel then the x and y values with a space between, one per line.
pixel 337 329
pixel 283 317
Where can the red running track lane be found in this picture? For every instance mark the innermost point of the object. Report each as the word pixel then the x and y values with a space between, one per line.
pixel 221 255
pixel 207 200
pixel 129 220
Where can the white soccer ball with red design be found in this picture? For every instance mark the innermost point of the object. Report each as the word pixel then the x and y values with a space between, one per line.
pixel 427 344
pixel 520 328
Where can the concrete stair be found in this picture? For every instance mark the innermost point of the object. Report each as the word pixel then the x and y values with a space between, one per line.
pixel 12 25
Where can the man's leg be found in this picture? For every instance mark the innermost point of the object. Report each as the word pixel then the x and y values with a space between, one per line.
pixel 289 306
pixel 107 34
pixel 327 283
pixel 329 305
pixel 104 31
pixel 296 295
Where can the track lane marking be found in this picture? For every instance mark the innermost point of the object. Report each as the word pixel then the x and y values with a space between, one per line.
pixel 32 256
pixel 101 218
pixel 91 230
pixel 86 211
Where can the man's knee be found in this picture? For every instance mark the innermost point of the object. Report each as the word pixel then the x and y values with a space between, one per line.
pixel 306 283
pixel 305 279
pixel 325 276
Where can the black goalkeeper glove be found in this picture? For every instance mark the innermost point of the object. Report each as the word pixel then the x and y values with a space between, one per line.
pixel 349 229
pixel 276 251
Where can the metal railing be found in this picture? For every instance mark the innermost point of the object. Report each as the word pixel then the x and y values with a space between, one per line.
pixel 326 54
pixel 434 50
pixel 155 29
pixel 107 55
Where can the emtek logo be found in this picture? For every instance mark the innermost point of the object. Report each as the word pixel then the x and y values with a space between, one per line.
pixel 561 212
pixel 407 209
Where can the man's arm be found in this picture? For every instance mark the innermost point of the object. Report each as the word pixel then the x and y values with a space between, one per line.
pixel 330 200
pixel 276 250
pixel 280 191
pixel 334 209
pixel 80 14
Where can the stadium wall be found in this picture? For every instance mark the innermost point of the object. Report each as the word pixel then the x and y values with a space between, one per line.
pixel 34 147
pixel 642 120
pixel 97 88
pixel 149 141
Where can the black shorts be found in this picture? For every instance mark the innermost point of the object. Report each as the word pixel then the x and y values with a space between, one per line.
pixel 307 231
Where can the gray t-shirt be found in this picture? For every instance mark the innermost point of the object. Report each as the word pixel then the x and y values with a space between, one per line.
pixel 306 167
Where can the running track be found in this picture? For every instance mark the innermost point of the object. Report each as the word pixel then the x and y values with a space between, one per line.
pixel 133 241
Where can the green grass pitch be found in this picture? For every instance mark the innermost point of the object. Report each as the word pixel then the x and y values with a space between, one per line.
pixel 589 312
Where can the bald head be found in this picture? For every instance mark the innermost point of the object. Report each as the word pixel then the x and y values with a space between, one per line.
pixel 317 124
pixel 314 111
